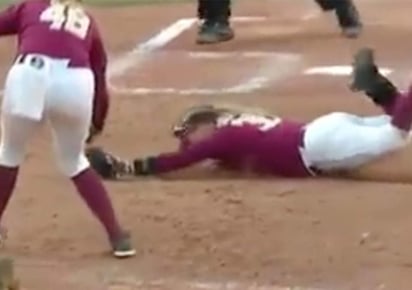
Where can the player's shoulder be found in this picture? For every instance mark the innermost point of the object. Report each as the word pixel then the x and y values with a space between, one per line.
pixel 32 3
pixel 25 8
pixel 28 7
pixel 236 134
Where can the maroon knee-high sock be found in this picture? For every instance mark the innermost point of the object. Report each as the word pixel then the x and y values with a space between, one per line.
pixel 8 179
pixel 91 188
pixel 402 112
pixel 390 106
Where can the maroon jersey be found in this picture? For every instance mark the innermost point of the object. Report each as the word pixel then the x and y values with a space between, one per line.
pixel 245 143
pixel 62 33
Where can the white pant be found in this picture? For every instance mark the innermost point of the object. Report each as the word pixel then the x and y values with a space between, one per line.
pixel 39 89
pixel 341 141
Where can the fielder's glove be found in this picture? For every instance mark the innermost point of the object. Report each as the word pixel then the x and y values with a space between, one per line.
pixel 107 165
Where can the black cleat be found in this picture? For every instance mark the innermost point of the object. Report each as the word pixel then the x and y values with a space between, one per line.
pixel 122 247
pixel 366 78
pixel 214 32
pixel 365 71
pixel 349 19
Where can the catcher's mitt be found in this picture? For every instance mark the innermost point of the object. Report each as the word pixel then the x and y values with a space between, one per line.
pixel 105 164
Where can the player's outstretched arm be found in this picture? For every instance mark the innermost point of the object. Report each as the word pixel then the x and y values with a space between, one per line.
pixel 110 167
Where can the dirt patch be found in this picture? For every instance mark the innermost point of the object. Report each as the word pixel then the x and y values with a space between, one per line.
pixel 205 234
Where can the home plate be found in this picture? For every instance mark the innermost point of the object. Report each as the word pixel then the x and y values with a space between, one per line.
pixel 338 70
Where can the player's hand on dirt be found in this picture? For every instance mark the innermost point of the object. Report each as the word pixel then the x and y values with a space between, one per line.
pixel 364 70
pixel 107 165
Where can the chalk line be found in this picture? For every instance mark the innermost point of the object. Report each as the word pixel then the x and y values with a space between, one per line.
pixel 198 285
pixel 338 70
pixel 230 54
pixel 142 51
pixel 258 80
pixel 121 64
pixel 277 66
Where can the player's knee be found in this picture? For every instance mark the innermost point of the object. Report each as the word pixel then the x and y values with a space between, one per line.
pixel 73 166
pixel 11 157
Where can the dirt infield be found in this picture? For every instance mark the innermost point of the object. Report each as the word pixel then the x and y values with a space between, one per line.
pixel 222 234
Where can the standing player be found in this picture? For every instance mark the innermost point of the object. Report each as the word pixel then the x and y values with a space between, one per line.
pixel 215 15
pixel 333 144
pixel 57 76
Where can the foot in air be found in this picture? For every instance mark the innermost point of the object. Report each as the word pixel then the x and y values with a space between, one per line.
pixel 367 78
pixel 365 71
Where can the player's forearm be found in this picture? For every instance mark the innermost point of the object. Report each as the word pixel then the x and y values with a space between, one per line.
pixel 163 163
pixel 100 109
pixel 98 65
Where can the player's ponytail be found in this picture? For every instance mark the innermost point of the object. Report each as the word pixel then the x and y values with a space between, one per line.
pixel 234 109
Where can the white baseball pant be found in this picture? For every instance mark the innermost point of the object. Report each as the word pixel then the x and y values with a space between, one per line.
pixel 38 89
pixel 342 141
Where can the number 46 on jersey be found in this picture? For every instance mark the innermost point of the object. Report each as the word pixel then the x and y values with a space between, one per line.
pixel 70 19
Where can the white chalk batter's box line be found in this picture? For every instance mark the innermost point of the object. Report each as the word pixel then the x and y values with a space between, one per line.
pixel 255 82
pixel 192 285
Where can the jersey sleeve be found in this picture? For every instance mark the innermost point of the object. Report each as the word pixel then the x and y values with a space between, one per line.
pixel 10 19
pixel 210 148
pixel 98 64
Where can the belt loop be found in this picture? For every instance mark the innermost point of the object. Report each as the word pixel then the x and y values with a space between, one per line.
pixel 21 58
pixel 34 61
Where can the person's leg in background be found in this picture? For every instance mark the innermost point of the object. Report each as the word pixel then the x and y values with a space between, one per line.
pixel 69 113
pixel 346 13
pixel 201 9
pixel 215 27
